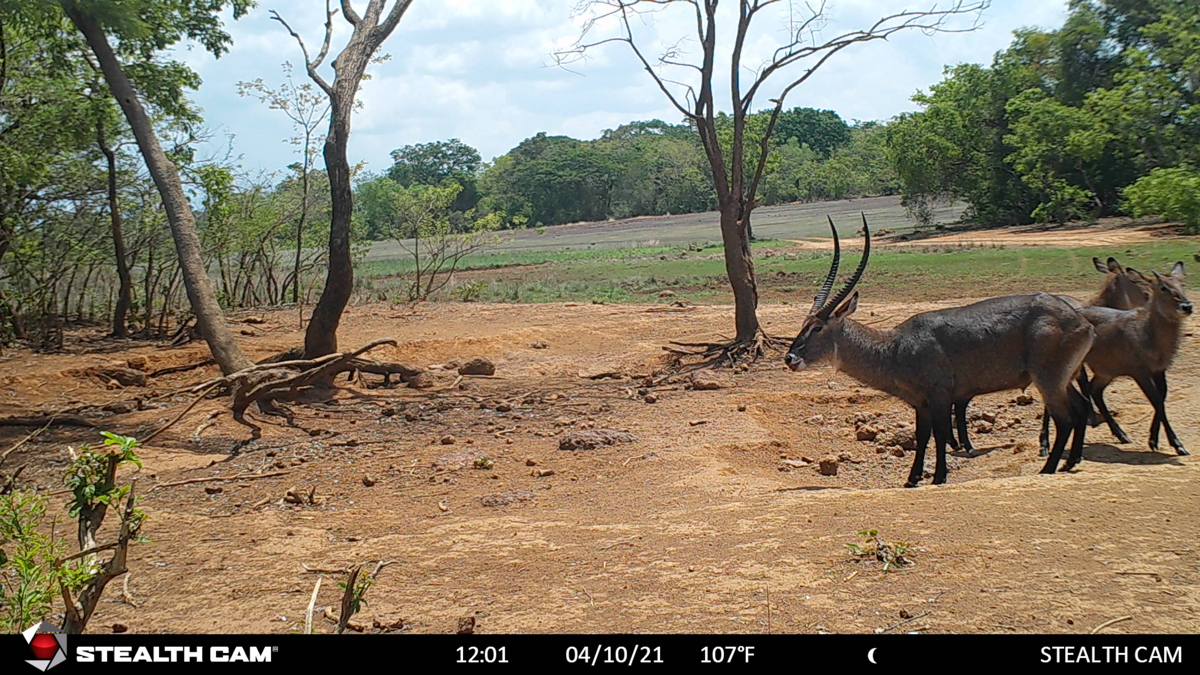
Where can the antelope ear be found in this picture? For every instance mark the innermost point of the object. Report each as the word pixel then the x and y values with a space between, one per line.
pixel 1177 270
pixel 1100 267
pixel 1114 266
pixel 1137 276
pixel 847 308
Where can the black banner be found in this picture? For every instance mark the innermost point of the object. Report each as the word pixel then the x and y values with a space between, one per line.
pixel 169 653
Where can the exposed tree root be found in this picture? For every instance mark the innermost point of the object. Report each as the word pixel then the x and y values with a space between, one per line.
pixel 688 356
pixel 182 369
pixel 62 421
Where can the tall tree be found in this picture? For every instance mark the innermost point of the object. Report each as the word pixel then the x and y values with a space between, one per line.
pixel 144 28
pixel 689 86
pixel 371 29
pixel 307 110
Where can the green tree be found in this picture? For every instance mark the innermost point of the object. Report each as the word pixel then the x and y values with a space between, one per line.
pixel 821 130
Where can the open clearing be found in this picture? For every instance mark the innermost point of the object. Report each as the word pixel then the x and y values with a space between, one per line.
pixel 710 521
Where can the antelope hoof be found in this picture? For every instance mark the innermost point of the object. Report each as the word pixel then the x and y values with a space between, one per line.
pixel 910 483
pixel 1043 451
pixel 1179 450
pixel 1154 444
pixel 1123 437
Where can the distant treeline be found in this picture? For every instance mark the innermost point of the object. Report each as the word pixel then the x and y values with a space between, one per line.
pixel 637 169
pixel 1099 117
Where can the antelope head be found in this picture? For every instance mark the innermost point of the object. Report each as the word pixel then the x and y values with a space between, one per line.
pixel 1120 290
pixel 819 334
pixel 1167 294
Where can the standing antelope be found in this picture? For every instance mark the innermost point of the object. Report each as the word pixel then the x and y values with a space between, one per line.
pixel 933 359
pixel 1141 344
pixel 1119 291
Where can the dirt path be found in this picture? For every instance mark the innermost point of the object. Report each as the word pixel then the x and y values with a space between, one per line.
pixel 1114 232
pixel 687 529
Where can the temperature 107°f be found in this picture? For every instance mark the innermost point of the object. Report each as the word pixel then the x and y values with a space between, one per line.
pixel 733 654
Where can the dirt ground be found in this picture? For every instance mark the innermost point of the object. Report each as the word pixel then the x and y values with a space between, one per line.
pixel 713 519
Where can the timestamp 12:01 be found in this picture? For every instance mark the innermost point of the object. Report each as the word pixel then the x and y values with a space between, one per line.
pixel 473 654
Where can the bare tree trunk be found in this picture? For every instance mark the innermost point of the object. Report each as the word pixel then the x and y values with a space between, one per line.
pixel 739 265
pixel 125 288
pixel 303 221
pixel 209 319
pixel 371 28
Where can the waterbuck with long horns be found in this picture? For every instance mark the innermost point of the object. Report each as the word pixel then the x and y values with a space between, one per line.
pixel 1119 291
pixel 933 359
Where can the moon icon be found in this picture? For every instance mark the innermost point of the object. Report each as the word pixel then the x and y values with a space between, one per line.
pixel 871 654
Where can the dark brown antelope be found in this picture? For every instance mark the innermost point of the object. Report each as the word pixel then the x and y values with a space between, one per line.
pixel 935 358
pixel 1119 291
pixel 1139 343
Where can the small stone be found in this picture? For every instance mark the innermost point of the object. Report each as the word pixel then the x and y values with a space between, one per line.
pixel 482 462
pixel 541 473
pixel 214 490
pixel 368 481
pixel 387 622
pixel 651 398
pixel 466 625
pixel 503 407
pixel 897 451
pixel 530 462
pixel 741 407
pixel 706 381
pixel 120 628
pixel 448 440
pixel 829 466
pixel 867 432
pixel 540 344
pixel 594 438
pixel 479 366
pixel 1023 399
pixel 696 423
pixel 988 417
pixel 666 294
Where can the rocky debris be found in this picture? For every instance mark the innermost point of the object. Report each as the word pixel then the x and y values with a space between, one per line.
pixel 901 436
pixel 388 622
pixel 368 481
pixel 983 427
pixel 867 432
pixel 138 362
pixel 696 423
pixel 602 371
pixel 989 417
pixel 506 498
pixel 594 438
pixel 541 473
pixel 479 366
pixel 214 490
pixel 126 377
pixel 897 451
pixel 540 344
pixel 422 381
pixel 816 419
pixel 706 381
pixel 121 407
pixel 448 439
pixel 651 398
pixel 1022 446
pixel 666 294
pixel 482 462
pixel 296 496
pixel 466 625
pixel 458 460
pixel 530 462
pixel 120 628
pixel 829 466
pixel 741 407
pixel 1023 399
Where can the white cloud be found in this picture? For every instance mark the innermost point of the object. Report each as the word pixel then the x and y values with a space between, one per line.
pixel 481 71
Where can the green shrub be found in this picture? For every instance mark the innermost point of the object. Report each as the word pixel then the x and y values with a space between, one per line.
pixel 1172 193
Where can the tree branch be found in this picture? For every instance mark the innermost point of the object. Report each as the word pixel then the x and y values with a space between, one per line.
pixel 311 65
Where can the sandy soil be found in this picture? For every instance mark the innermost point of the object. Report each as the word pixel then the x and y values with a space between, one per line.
pixel 710 521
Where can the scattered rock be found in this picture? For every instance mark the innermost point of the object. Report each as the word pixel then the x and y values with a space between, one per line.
pixel 120 628
pixel 295 496
pixel 1022 446
pixel 368 481
pixel 456 460
pixel 602 371
pixel 1023 399
pixel 466 625
pixel 480 366
pixel 530 462
pixel 120 407
pixel 829 466
pixel 388 622
pixel 421 381
pixel 816 419
pixel 651 398
pixel 482 462
pixel 448 440
pixel 443 506
pixel 845 457
pixel 902 437
pixel 706 381
pixel 138 362
pixel 666 294
pixel 594 438
pixel 540 344
pixel 982 427
pixel 126 377
pixel 254 320
pixel 248 332
pixel 214 490
pixel 897 451
pixel 741 407
pixel 696 423
pixel 541 473
pixel 867 432
pixel 506 498
pixel 988 417
pixel 795 463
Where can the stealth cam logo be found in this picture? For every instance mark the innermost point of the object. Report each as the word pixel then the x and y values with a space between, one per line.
pixel 49 645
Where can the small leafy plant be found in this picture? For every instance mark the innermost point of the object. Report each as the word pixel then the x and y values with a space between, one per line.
pixel 891 554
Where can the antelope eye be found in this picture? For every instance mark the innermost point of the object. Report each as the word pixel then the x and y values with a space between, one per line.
pixel 817 328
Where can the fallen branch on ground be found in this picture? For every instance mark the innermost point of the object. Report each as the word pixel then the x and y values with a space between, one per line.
pixel 244 476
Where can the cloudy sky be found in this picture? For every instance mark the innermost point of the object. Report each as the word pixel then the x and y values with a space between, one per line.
pixel 482 71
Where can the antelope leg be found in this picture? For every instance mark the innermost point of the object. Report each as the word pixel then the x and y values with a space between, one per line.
pixel 924 428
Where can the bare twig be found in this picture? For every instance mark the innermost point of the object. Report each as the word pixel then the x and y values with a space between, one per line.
pixel 126 596
pixel 901 623
pixel 1106 624
pixel 312 604
pixel 243 476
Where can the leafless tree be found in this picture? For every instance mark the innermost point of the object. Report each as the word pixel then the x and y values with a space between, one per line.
pixel 371 28
pixel 688 85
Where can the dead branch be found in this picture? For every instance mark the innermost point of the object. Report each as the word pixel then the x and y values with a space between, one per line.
pixel 61 421
pixel 23 441
pixel 182 369
pixel 126 596
pixel 312 604
pixel 243 476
